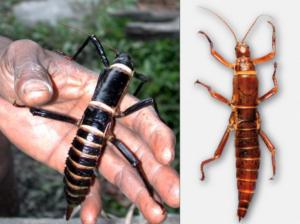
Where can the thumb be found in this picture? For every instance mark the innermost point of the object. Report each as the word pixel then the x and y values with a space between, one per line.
pixel 32 83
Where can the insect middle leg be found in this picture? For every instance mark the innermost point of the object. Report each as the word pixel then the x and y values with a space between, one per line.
pixel 214 94
pixel 143 79
pixel 271 148
pixel 138 106
pixel 99 48
pixel 218 152
pixel 215 53
pixel 53 115
pixel 274 90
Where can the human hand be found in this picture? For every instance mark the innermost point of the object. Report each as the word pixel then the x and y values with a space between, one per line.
pixel 33 76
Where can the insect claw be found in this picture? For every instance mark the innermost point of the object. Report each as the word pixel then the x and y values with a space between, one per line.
pixel 202 84
pixel 208 38
pixel 202 176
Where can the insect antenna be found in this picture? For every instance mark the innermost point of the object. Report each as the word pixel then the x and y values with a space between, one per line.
pixel 223 20
pixel 252 25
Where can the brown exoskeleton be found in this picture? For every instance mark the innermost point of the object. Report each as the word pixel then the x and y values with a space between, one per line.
pixel 244 119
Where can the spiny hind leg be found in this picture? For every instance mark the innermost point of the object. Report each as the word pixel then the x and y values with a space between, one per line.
pixel 218 152
pixel 271 148
pixel 134 161
pixel 214 94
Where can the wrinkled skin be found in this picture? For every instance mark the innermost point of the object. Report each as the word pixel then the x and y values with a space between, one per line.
pixel 31 75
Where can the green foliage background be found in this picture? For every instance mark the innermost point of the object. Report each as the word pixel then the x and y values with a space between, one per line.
pixel 158 59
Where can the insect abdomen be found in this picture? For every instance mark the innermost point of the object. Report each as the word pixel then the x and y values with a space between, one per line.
pixel 247 164
pixel 84 154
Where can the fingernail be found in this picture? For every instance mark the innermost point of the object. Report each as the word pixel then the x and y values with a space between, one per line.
pixel 158 215
pixel 35 86
pixel 168 156
pixel 175 192
pixel 157 210
pixel 89 220
pixel 35 92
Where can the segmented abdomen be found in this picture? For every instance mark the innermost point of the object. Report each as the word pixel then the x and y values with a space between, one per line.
pixel 84 154
pixel 247 163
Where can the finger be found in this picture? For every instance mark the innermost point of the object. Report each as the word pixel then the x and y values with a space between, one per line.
pixel 31 80
pixel 71 79
pixel 120 173
pixel 163 178
pixel 91 206
pixel 158 136
pixel 41 132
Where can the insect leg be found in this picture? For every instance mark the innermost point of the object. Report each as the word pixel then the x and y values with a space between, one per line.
pixel 133 160
pixel 138 106
pixel 271 55
pixel 214 94
pixel 218 152
pixel 52 115
pixel 274 90
pixel 99 48
pixel 143 80
pixel 271 148
pixel 215 53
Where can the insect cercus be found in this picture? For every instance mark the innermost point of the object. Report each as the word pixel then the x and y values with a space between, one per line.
pixel 96 126
pixel 244 119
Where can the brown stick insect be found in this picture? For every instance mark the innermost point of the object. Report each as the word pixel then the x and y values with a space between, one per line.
pixel 244 119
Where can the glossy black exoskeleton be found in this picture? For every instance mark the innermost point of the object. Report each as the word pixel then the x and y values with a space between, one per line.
pixel 95 127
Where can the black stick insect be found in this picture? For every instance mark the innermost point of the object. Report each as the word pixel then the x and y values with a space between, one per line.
pixel 97 123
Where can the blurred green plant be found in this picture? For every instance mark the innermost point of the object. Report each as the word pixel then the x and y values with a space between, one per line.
pixel 158 59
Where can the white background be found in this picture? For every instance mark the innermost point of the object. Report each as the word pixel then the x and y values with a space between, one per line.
pixel 203 119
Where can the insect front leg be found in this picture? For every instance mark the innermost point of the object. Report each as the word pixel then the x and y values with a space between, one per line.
pixel 99 48
pixel 215 53
pixel 214 94
pixel 274 90
pixel 218 152
pixel 271 55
